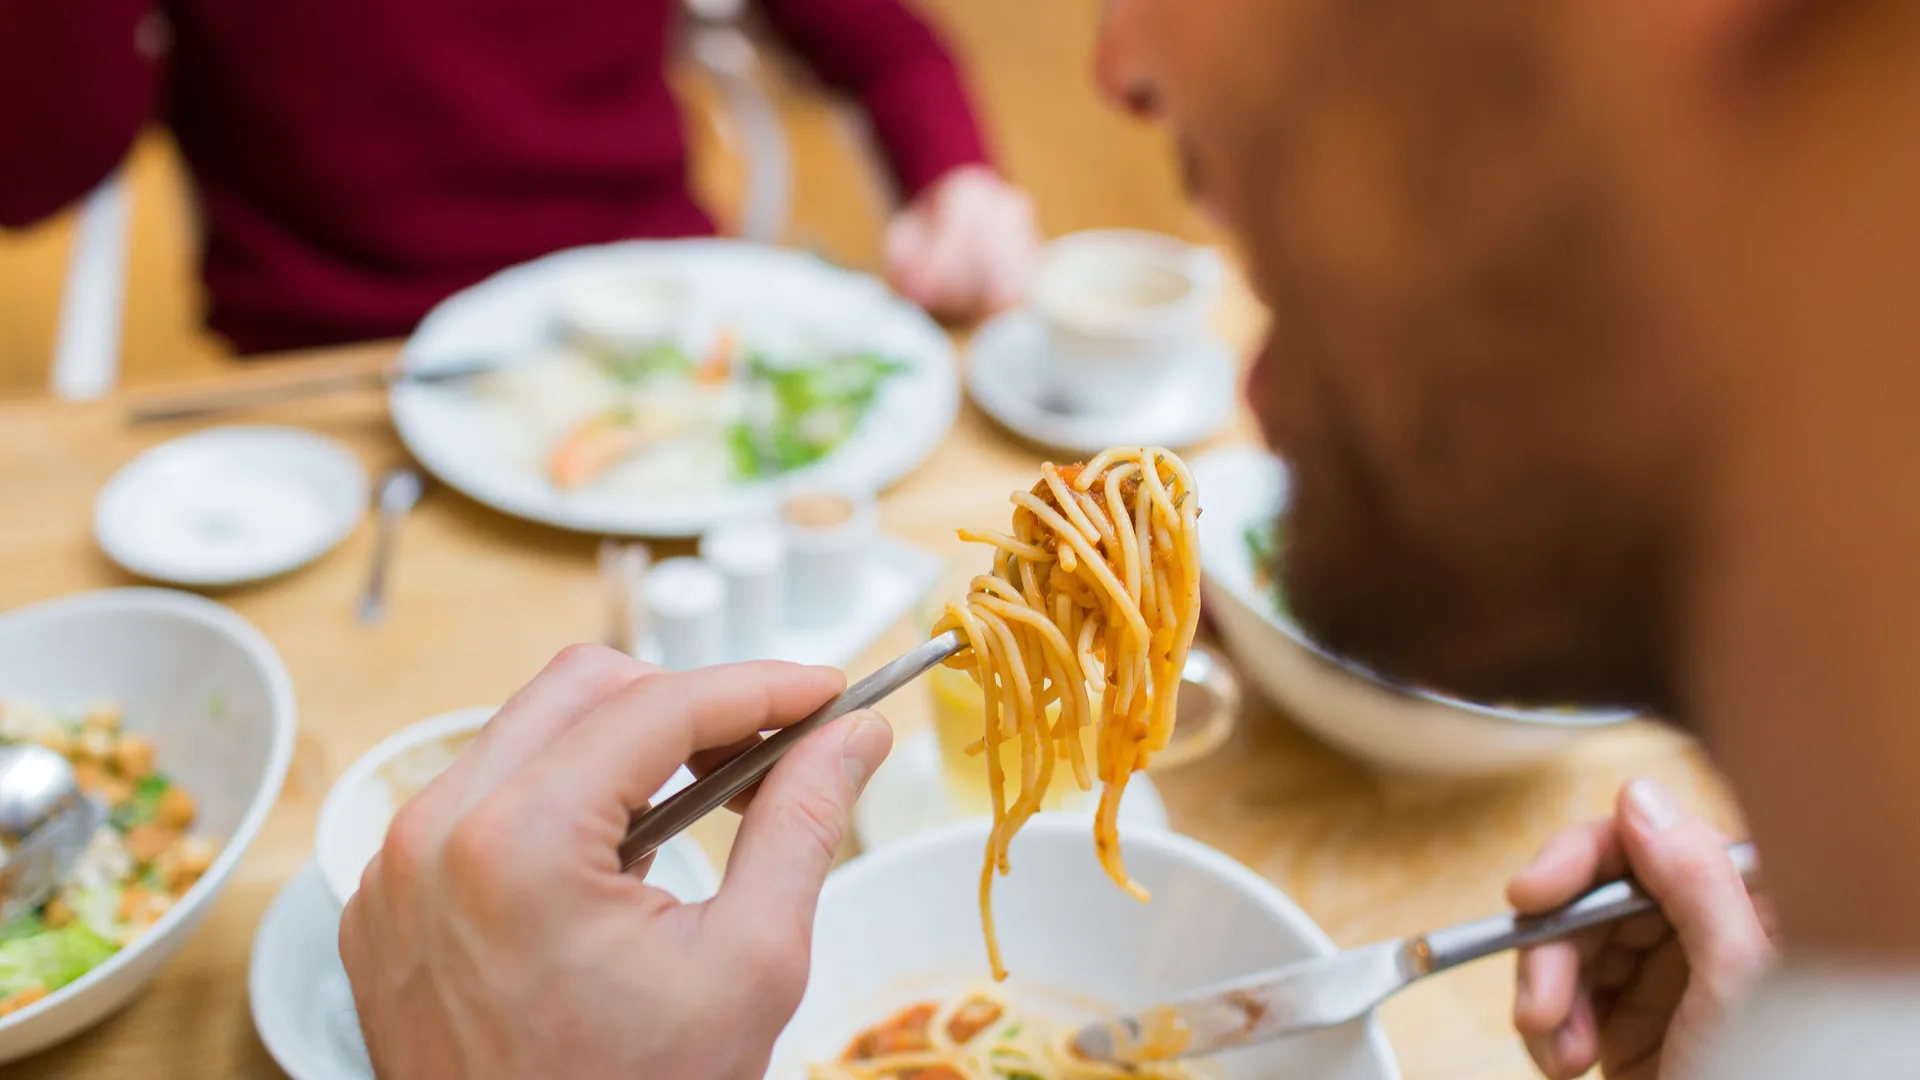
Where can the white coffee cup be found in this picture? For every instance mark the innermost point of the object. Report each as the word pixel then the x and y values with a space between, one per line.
pixel 1121 307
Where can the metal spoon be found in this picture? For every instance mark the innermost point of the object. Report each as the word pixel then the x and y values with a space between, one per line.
pixel 45 823
pixel 399 492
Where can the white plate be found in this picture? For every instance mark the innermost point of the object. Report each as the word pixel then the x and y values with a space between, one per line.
pixel 470 445
pixel 894 576
pixel 908 796
pixel 1004 377
pixel 230 505
pixel 302 1002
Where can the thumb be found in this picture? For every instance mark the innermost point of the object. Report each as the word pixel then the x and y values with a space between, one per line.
pixel 1683 863
pixel 792 831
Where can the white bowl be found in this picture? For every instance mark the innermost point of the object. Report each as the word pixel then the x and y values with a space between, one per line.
pixel 902 926
pixel 361 804
pixel 1396 727
pixel 211 693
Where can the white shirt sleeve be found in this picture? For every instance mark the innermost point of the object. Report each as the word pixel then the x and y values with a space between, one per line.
pixel 1821 1023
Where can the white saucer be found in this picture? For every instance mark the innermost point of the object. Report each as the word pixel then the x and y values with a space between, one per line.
pixel 1004 368
pixel 896 575
pixel 230 505
pixel 908 795
pixel 302 1002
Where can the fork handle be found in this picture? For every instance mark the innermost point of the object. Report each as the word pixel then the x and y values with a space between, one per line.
pixel 712 791
pixel 1439 950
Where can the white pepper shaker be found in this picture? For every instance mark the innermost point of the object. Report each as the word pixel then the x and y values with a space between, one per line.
pixel 828 534
pixel 685 603
pixel 751 555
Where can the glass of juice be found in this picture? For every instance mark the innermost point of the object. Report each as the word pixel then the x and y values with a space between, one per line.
pixel 1208 709
pixel 959 717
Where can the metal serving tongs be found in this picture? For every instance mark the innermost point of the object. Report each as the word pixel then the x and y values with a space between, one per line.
pixel 1331 990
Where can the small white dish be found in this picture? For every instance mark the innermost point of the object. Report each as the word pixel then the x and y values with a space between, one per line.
pixel 361 804
pixel 894 575
pixel 301 1000
pixel 230 505
pixel 1006 377
pixel 902 926
pixel 908 796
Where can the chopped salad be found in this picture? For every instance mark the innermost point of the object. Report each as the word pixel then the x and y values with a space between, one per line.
pixel 137 866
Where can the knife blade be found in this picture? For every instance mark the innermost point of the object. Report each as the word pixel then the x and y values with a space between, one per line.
pixel 1330 990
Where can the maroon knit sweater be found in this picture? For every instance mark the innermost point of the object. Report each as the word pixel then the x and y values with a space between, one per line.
pixel 357 160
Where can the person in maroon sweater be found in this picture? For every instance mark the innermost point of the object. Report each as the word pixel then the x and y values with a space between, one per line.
pixel 355 161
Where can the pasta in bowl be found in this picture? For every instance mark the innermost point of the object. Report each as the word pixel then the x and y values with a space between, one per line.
pixel 898 929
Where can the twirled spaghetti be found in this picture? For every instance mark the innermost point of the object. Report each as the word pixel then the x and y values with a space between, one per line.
pixel 1091 605
pixel 976 1036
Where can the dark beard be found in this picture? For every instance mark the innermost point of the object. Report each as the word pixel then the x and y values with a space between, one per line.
pixel 1483 543
pixel 1457 391
pixel 1468 513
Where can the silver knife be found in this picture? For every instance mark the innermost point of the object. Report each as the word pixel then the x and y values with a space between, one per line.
pixel 188 405
pixel 1331 990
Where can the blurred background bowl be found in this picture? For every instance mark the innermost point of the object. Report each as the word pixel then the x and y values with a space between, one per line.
pixel 902 926
pixel 214 697
pixel 1396 727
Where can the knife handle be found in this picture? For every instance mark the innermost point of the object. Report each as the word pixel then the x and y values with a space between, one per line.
pixel 1438 950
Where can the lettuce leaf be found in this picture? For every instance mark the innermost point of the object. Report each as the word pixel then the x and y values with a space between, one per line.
pixel 140 809
pixel 813 409
pixel 51 958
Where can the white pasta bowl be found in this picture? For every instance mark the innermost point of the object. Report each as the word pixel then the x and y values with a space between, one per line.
pixel 212 694
pixel 902 926
pixel 1400 728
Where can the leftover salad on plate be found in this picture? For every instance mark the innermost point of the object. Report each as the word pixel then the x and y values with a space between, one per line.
pixel 667 397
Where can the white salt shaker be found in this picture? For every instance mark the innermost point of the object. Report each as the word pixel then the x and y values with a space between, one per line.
pixel 828 534
pixel 685 603
pixel 751 556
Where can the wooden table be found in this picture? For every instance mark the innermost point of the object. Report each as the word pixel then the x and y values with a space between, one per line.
pixel 479 602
